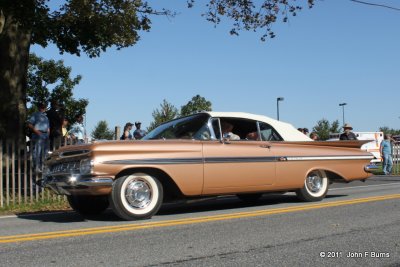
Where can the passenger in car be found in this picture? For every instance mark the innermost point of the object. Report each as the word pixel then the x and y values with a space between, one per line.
pixel 227 128
pixel 253 136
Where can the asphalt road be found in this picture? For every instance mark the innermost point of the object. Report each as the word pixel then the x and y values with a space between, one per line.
pixel 358 224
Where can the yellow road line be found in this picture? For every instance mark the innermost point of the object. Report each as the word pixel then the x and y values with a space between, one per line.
pixel 186 221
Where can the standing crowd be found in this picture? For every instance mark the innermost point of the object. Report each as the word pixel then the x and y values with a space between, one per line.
pixel 137 134
pixel 48 130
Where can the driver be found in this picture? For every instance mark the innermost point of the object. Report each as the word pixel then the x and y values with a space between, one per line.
pixel 227 128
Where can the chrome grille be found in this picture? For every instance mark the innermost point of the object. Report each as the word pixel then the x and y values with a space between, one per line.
pixel 65 167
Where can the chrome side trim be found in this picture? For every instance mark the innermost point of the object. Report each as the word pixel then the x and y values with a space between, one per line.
pixel 328 158
pixel 155 161
pixel 171 161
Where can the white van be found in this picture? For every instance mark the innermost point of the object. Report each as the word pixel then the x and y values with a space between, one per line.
pixel 372 147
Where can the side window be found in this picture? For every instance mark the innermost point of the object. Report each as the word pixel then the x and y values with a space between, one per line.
pixel 268 133
pixel 237 129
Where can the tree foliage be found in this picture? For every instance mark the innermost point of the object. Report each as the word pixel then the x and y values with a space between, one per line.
pixel 324 127
pixel 197 103
pixel 166 112
pixel 74 26
pixel 387 130
pixel 102 132
pixel 50 80
pixel 252 15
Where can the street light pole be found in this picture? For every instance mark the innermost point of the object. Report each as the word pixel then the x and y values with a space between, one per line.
pixel 342 105
pixel 277 105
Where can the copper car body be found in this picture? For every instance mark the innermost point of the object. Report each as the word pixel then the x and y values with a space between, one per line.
pixel 189 157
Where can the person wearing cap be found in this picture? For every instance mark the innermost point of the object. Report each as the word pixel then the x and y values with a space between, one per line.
pixel 39 124
pixel 386 155
pixel 126 135
pixel 348 134
pixel 138 133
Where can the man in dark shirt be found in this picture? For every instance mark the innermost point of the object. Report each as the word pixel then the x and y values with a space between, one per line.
pixel 348 134
pixel 56 119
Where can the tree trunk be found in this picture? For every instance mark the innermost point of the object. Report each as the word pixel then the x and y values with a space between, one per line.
pixel 14 58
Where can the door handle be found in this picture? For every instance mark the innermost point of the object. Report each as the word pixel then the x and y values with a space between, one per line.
pixel 265 146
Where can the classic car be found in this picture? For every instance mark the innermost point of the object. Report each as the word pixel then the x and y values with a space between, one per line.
pixel 195 157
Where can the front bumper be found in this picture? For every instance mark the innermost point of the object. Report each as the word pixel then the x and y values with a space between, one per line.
pixel 77 184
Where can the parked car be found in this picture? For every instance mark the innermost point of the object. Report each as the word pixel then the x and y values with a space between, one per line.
pixel 193 157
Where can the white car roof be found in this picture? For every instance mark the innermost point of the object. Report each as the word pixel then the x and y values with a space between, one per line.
pixel 286 130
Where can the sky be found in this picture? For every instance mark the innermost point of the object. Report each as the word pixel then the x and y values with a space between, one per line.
pixel 337 52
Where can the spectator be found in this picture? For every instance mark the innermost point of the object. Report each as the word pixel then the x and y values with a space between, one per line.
pixel 300 130
pixel 138 133
pixel 348 134
pixel 39 125
pixel 55 119
pixel 386 155
pixel 305 131
pixel 65 135
pixel 126 135
pixel 77 131
pixel 314 136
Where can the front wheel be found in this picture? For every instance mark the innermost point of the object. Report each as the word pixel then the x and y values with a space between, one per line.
pixel 315 187
pixel 137 196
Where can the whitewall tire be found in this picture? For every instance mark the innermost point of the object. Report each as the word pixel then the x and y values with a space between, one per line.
pixel 315 186
pixel 137 196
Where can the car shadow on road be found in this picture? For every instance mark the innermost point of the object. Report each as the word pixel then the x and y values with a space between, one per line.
pixel 229 203
pixel 69 217
pixel 193 207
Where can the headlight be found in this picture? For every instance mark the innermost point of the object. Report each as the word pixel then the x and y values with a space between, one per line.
pixel 86 166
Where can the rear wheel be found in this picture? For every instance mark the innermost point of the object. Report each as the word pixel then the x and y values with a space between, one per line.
pixel 137 196
pixel 88 205
pixel 315 187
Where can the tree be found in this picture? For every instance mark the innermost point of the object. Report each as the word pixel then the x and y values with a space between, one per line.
pixel 50 80
pixel 102 132
pixel 75 26
pixel 324 127
pixel 198 103
pixel 166 112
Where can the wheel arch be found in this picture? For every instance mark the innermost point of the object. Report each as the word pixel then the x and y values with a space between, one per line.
pixel 333 176
pixel 171 189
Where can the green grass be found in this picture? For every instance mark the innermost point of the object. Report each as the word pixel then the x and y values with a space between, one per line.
pixel 395 171
pixel 36 206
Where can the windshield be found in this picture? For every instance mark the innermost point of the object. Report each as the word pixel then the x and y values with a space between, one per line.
pixel 192 127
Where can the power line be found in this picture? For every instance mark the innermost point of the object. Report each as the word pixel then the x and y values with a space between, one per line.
pixel 378 5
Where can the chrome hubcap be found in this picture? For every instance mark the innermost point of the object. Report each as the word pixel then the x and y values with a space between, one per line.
pixel 138 194
pixel 314 183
